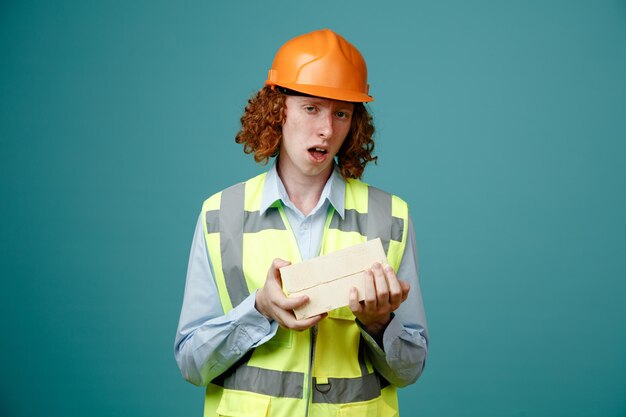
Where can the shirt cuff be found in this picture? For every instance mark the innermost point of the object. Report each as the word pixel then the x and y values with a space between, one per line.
pixel 255 325
pixel 392 332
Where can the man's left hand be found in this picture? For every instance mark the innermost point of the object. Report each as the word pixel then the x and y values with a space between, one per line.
pixel 384 293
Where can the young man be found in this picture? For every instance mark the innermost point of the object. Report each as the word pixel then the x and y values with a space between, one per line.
pixel 237 332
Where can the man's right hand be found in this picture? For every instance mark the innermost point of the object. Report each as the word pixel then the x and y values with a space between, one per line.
pixel 272 302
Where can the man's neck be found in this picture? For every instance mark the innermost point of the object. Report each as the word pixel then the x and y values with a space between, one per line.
pixel 304 192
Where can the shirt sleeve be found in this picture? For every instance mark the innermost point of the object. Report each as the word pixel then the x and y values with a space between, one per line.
pixel 208 341
pixel 402 357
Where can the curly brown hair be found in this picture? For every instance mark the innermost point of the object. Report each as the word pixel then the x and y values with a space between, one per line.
pixel 261 132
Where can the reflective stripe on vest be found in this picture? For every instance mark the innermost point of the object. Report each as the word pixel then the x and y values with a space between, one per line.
pixel 232 222
pixel 264 381
pixel 378 222
pixel 290 384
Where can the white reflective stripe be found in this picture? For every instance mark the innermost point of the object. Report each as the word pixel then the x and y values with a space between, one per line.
pixel 397 228
pixel 347 390
pixel 354 221
pixel 254 222
pixel 231 222
pixel 212 220
pixel 379 216
pixel 264 381
pixel 377 222
pixel 231 242
pixel 290 385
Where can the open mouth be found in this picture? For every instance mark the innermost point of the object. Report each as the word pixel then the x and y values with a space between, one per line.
pixel 318 153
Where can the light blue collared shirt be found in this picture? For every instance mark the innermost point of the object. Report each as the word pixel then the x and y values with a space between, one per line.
pixel 307 229
pixel 208 341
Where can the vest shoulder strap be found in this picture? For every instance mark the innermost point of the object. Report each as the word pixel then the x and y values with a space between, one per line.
pixel 374 213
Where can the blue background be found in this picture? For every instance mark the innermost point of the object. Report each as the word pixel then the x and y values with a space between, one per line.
pixel 502 123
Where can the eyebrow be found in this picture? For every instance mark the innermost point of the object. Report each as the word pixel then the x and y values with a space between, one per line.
pixel 316 100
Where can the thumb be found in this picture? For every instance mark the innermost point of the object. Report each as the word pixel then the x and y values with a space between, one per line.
pixel 278 263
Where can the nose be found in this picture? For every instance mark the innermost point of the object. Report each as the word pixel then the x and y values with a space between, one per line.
pixel 325 127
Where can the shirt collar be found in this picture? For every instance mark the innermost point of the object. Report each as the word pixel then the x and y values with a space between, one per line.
pixel 274 190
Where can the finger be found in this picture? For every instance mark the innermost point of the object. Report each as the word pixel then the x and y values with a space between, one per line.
pixel 370 290
pixel 291 302
pixel 395 290
pixel 278 263
pixel 406 287
pixel 291 322
pixel 285 318
pixel 382 289
pixel 354 304
pixel 304 324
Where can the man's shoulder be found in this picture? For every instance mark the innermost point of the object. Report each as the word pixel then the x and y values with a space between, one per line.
pixel 214 201
pixel 355 185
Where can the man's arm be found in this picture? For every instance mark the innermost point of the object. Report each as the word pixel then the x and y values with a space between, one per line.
pixel 397 340
pixel 208 341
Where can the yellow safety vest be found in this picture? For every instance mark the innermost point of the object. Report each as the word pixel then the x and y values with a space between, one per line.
pixel 323 371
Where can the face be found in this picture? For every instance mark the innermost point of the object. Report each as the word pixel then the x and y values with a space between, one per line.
pixel 313 132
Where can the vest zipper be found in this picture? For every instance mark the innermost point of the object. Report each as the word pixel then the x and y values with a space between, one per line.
pixel 309 393
pixel 312 330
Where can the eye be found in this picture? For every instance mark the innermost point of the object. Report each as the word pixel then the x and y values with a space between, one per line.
pixel 309 109
pixel 343 115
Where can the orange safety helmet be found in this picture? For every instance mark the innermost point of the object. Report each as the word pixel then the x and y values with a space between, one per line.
pixel 321 64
